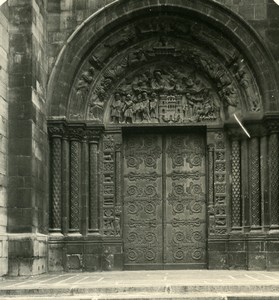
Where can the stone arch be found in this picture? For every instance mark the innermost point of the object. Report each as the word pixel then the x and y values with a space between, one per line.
pixel 75 61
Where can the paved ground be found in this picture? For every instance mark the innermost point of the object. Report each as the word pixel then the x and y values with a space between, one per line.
pixel 144 282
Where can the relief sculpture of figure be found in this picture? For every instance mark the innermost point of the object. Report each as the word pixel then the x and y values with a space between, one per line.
pixel 145 107
pixel 154 107
pixel 83 84
pixel 158 82
pixel 128 109
pixel 116 108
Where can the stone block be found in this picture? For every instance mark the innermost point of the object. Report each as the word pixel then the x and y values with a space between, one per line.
pixel 3 266
pixel 272 261
pixel 3 218
pixel 260 11
pixel 75 249
pixel 217 260
pixel 92 248
pixel 20 146
pixel 21 15
pixel 256 261
pixel 13 266
pixel 217 246
pixel 118 262
pixel 20 220
pixel 32 266
pixel 247 11
pixel 272 10
pixel 272 246
pixel 234 246
pixel 92 262
pixel 237 260
pixel 21 248
pixel 74 262
pixel 20 197
pixel 256 246
pixel 56 258
pixel 3 196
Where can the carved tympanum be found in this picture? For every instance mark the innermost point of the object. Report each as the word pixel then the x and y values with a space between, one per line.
pixel 164 95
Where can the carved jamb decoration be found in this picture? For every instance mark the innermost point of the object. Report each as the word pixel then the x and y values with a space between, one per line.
pixel 170 38
pixel 255 192
pixel 75 186
pixel 111 193
pixel 274 178
pixel 218 207
pixel 236 184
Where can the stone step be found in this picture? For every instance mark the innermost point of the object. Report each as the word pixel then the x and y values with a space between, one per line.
pixel 156 296
pixel 141 289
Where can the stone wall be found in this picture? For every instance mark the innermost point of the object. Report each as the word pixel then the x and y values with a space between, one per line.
pixel 4 51
pixel 28 199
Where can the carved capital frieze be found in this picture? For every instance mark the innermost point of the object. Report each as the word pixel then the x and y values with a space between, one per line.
pixel 56 131
pixel 93 135
pixel 77 133
pixel 272 123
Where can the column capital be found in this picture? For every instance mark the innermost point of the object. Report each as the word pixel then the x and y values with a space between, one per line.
pixel 272 123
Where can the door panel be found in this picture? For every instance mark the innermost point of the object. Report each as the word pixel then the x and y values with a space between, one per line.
pixel 143 200
pixel 185 240
pixel 164 201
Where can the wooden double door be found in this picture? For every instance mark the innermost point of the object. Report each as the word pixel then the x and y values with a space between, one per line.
pixel 164 201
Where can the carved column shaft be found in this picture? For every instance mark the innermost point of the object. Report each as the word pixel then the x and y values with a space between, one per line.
pixel 55 213
pixel 84 187
pixel 245 184
pixel 75 186
pixel 94 201
pixel 236 184
pixel 274 179
pixel 255 182
pixel 65 185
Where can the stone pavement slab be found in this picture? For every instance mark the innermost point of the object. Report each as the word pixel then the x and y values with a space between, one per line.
pixel 174 284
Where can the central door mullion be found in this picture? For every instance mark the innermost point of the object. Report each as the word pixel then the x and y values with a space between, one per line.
pixel 163 198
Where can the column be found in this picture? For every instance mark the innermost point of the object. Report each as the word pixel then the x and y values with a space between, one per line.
pixel 75 190
pixel 274 179
pixel 245 184
pixel 236 208
pixel 84 187
pixel 65 185
pixel 255 184
pixel 94 183
pixel 56 179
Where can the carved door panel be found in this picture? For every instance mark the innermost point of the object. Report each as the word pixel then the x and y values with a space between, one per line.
pixel 143 201
pixel 185 226
pixel 164 201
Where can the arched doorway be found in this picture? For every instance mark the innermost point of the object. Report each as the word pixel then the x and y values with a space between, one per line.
pixel 147 162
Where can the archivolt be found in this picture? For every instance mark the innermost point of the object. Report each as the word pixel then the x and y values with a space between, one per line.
pixel 101 44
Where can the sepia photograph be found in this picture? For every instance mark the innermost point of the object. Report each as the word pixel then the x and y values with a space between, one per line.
pixel 139 149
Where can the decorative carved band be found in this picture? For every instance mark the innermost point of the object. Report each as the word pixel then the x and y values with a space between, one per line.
pixel 255 192
pixel 236 184
pixel 93 173
pixel 56 171
pixel 274 178
pixel 75 186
